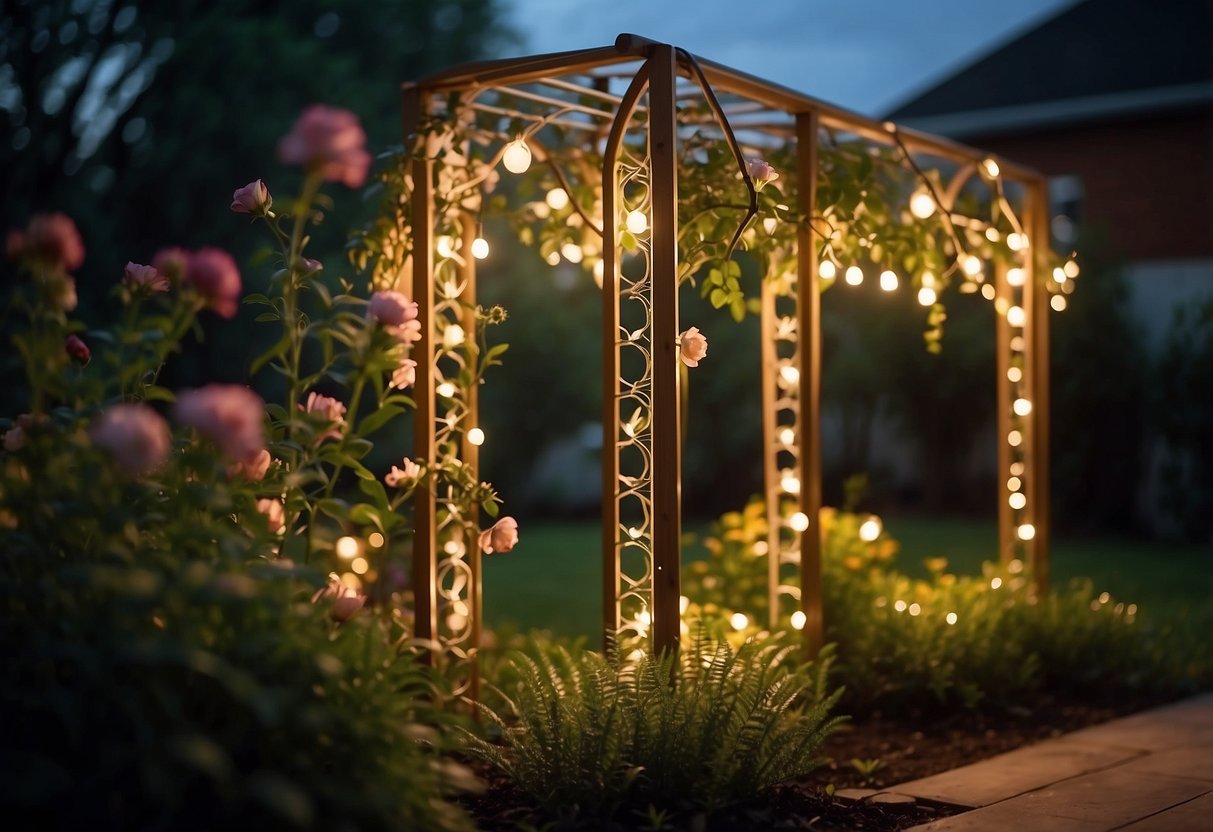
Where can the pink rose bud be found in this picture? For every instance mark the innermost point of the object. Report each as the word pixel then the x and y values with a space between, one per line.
pixel 213 274
pixel 328 141
pixel 330 409
pixel 693 347
pixel 407 475
pixel 138 278
pixel 404 376
pixel 275 514
pixel 311 266
pixel 391 308
pixel 502 537
pixel 253 198
pixel 77 349
pixel 761 173
pixel 344 601
pixel 252 469
pixel 170 262
pixel 51 238
pixel 136 436
pixel 229 415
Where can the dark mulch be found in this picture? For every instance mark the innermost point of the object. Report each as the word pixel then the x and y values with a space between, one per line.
pixel 906 750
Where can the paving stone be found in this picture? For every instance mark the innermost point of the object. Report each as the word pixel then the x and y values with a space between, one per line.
pixel 1184 724
pixel 1002 817
pixel 1016 772
pixel 1112 797
pixel 893 800
pixel 1194 816
pixel 1195 763
pixel 852 795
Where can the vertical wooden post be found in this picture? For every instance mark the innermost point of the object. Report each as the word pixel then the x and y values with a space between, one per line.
pixel 425 540
pixel 610 395
pixel 1002 363
pixel 809 423
pixel 470 452
pixel 1036 306
pixel 770 468
pixel 667 450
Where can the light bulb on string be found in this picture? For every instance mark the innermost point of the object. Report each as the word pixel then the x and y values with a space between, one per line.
pixel 826 270
pixel 557 198
pixel 922 205
pixel 517 156
pixel 927 296
pixel 636 222
pixel 854 275
pixel 888 281
pixel 480 247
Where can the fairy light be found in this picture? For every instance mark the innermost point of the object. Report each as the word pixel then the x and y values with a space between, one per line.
pixel 993 235
pixel 1014 484
pixel 1017 469
pixel 951 618
pixel 987 292
pixel 1017 241
pixel 480 248
pixel 854 275
pixel 991 169
pixel 1058 302
pixel 1017 501
pixel 798 620
pixel 1014 375
pixel 1026 532
pixel 922 205
pixel 1104 597
pixel 787 436
pixel 446 390
pixel 572 252
pixel 517 156
pixel 557 199
pixel 453 547
pixel 927 296
pixel 760 548
pixel 453 336
pixel 476 437
pixel 870 529
pixel 1016 277
pixel 739 620
pixel 552 258
pixel 359 566
pixel 1014 439
pixel 375 540
pixel 971 265
pixel 995 583
pixel 1022 407
pixel 827 270
pixel 1016 316
pixel 636 222
pixel 899 605
pixel 915 609
pixel 888 281
pixel 1017 344
pixel 789 374
pixel 1071 268
pixel 799 521
pixel 770 224
pixel 1059 275
pixel 346 547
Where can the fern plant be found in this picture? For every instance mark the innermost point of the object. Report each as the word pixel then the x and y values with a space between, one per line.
pixel 593 736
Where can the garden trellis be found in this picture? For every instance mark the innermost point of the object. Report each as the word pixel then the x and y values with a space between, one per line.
pixel 611 128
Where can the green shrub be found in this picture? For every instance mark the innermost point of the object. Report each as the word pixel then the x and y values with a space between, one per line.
pixel 585 736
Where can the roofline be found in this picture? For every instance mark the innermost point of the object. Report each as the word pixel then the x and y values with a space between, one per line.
pixel 1062 112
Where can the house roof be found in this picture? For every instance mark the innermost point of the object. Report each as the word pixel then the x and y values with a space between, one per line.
pixel 1095 58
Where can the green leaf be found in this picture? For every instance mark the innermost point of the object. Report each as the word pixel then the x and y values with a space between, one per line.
pixel 375 490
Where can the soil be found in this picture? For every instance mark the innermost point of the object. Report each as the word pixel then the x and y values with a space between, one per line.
pixel 895 751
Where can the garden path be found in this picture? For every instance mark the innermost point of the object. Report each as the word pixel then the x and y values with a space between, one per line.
pixel 1150 772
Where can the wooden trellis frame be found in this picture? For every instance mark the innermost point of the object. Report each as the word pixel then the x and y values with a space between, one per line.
pixel 649 494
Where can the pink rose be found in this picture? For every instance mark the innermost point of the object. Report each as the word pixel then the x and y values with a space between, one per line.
pixel 391 308
pixel 345 601
pixel 213 274
pixel 252 469
pixel 403 476
pixel 275 513
pixel 405 375
pixel 229 415
pixel 135 435
pixel 331 409
pixel 502 537
pixel 253 198
pixel 143 278
pixel 693 347
pixel 51 238
pixel 77 349
pixel 761 173
pixel 170 262
pixel 328 141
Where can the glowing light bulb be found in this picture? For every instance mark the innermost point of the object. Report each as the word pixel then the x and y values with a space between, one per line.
pixel 971 265
pixel 992 234
pixel 870 529
pixel 1016 277
pixel 1014 375
pixel 739 620
pixel 1017 501
pixel 480 248
pixel 375 539
pixel 446 390
pixel 789 373
pixel 636 222
pixel 517 156
pixel 1058 302
pixel 359 566
pixel 572 252
pixel 1017 344
pixel 991 168
pixel 915 609
pixel 476 437
pixel 1014 439
pixel 899 605
pixel 950 618
pixel 1026 532
pixel 1016 316
pixel 1014 484
pixel 1022 407
pixel 927 296
pixel 760 548
pixel 770 224
pixel 921 205
pixel 987 292
pixel 854 275
pixel 888 281
pixel 1059 275
pixel 557 198
pixel 453 336
pixel 798 620
pixel 1017 469
pixel 1071 268
pixel 995 583
pixel 346 547
pixel 790 483
pixel 827 270
pixel 1017 241
pixel 799 521
pixel 787 436
pixel 552 258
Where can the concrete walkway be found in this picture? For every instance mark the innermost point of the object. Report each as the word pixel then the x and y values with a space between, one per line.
pixel 1150 772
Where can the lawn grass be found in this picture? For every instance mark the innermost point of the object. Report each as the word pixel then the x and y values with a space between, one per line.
pixel 553 579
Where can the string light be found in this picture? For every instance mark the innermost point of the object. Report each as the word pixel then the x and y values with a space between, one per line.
pixel 446 390
pixel 1014 484
pixel 375 540
pixel 346 547
pixel 1071 268
pixel 854 275
pixel 915 609
pixel 599 272
pixel 1016 277
pixel 799 521
pixel 1027 531
pixel 572 252
pixel 480 248
pixel 971 265
pixel 1058 302
pixel 927 296
pixel 790 483
pixel 1016 316
pixel 899 605
pixel 1022 407
pixel 987 292
pixel 921 205
pixel 787 436
pixel 827 270
pixel 557 198
pixel 359 566
pixel 1017 241
pixel 1017 469
pixel 517 156
pixel 1014 439
pixel 476 437
pixel 950 618
pixel 1017 501
pixel 798 620
pixel 684 604
pixel 995 583
pixel 870 529
pixel 739 620
pixel 645 618
pixel 992 234
pixel 789 374
pixel 552 258
pixel 1059 275
pixel 888 281
pixel 1014 375
pixel 991 168
pixel 636 222
pixel 1017 344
